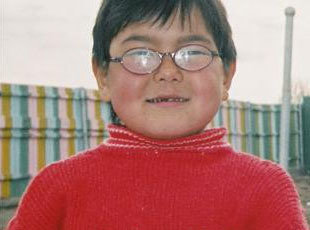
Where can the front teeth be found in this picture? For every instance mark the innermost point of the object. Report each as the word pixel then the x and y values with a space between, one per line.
pixel 158 100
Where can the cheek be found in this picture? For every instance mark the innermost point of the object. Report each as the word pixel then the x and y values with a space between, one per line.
pixel 124 88
pixel 209 87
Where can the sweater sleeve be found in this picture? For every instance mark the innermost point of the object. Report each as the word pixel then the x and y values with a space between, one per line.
pixel 278 205
pixel 42 205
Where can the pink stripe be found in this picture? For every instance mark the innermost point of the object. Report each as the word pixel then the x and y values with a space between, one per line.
pixel 91 94
pixel 91 111
pixel 225 116
pixel 238 120
pixel 1 175
pixel 32 107
pixel 33 91
pixel 1 113
pixel 63 148
pixel 33 157
pixel 62 93
pixel 33 111
pixel 62 112
pixel 93 142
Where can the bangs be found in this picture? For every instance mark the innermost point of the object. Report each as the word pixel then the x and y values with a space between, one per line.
pixel 152 11
pixel 115 15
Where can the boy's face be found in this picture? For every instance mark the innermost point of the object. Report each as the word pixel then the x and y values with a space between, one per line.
pixel 132 95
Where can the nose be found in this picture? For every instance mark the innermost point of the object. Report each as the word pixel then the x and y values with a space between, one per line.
pixel 168 71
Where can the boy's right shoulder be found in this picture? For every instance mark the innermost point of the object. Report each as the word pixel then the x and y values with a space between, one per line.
pixel 76 165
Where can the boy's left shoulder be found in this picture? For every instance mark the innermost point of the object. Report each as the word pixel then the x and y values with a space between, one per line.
pixel 265 169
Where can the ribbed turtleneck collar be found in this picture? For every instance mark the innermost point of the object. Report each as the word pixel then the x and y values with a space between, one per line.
pixel 122 137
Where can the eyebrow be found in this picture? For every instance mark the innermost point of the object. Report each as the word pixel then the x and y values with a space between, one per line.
pixel 139 38
pixel 194 38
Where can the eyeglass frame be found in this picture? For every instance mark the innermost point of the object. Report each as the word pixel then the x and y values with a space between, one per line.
pixel 161 55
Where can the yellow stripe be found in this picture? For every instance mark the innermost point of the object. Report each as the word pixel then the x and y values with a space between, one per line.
pixel 6 105
pixel 70 114
pixel 243 131
pixel 5 189
pixel 270 137
pixel 41 150
pixel 242 121
pixel 5 167
pixel 98 115
pixel 6 111
pixel 41 107
pixel 97 110
pixel 41 114
pixel 71 145
pixel 6 141
pixel 6 89
pixel 100 137
pixel 8 122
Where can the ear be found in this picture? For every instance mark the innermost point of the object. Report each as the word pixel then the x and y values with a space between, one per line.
pixel 229 74
pixel 100 74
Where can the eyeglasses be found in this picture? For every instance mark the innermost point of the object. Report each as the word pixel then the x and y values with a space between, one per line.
pixel 144 61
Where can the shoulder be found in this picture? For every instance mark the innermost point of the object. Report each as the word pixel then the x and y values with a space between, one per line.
pixel 273 194
pixel 74 166
pixel 62 173
pixel 255 165
pixel 270 192
pixel 60 170
pixel 260 175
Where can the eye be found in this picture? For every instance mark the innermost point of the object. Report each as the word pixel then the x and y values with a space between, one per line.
pixel 192 51
pixel 141 60
pixel 193 57
pixel 139 52
pixel 196 52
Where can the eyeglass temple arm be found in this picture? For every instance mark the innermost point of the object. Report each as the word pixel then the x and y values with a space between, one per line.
pixel 214 53
pixel 116 59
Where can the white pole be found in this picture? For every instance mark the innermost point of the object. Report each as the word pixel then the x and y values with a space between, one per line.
pixel 286 95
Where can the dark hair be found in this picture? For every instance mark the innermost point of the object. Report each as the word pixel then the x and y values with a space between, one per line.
pixel 115 15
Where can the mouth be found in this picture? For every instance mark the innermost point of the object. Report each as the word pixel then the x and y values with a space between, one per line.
pixel 167 99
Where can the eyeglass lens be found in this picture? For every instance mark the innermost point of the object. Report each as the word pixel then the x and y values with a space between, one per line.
pixel 143 61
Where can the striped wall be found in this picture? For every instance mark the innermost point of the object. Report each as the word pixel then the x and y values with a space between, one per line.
pixel 306 133
pixel 40 125
pixel 256 129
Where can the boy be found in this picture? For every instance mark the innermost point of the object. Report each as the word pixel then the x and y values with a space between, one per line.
pixel 165 67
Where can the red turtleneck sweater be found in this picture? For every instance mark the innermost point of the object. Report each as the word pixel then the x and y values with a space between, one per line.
pixel 133 182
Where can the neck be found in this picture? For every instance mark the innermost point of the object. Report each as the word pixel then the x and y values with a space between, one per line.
pixel 122 137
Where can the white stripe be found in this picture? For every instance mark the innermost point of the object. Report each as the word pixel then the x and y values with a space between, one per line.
pixel 218 132
pixel 168 148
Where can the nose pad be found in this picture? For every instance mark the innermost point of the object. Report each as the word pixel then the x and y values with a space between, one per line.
pixel 168 70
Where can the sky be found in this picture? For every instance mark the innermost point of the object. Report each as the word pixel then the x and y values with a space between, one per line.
pixel 49 43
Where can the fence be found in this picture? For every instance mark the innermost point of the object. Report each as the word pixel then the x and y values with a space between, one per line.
pixel 306 133
pixel 40 125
